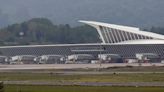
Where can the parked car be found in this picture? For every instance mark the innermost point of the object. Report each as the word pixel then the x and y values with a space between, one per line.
pixel 23 59
pixel 51 59
pixel 79 59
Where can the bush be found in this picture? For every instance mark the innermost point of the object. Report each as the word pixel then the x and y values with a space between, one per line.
pixel 1 87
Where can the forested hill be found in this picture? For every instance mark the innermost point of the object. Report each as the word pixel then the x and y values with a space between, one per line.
pixel 43 31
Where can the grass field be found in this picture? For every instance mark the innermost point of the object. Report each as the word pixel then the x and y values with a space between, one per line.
pixel 56 76
pixel 152 77
pixel 16 88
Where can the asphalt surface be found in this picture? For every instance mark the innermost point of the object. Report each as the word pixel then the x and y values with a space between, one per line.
pixel 130 84
pixel 71 66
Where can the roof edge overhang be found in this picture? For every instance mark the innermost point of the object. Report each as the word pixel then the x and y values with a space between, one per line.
pixel 124 28
pixel 134 42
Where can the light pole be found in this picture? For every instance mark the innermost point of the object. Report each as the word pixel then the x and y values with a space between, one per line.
pixel 100 56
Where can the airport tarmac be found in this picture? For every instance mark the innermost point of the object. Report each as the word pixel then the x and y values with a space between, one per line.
pixel 72 66
pixel 109 84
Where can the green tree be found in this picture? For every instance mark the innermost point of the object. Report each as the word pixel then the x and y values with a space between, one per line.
pixel 41 30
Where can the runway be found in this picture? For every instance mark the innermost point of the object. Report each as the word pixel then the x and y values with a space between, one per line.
pixel 109 84
pixel 72 66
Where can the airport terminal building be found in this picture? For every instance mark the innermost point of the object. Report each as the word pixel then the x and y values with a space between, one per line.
pixel 116 39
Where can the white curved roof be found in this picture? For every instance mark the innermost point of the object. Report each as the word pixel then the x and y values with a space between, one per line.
pixel 111 33
pixel 94 23
pixel 153 41
pixel 149 37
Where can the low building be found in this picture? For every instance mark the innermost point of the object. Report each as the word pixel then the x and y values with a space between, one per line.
pixel 118 39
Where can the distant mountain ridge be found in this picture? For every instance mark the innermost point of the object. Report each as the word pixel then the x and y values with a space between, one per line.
pixel 139 13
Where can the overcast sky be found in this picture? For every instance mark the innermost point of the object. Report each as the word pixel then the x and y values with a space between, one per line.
pixel 127 12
